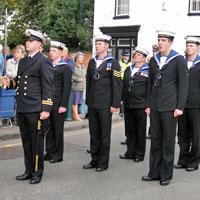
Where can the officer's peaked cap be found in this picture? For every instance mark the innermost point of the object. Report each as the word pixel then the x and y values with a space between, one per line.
pixel 35 35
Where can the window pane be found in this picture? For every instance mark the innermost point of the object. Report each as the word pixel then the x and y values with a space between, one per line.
pixel 198 5
pixel 195 5
pixel 122 7
pixel 124 42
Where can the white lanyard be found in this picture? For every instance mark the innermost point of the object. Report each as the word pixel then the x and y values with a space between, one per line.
pixel 134 70
pixel 189 64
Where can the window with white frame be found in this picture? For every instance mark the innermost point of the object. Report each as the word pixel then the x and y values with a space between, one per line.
pixel 122 7
pixel 123 42
pixel 194 7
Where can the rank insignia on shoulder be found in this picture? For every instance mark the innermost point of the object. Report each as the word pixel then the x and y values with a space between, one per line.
pixel 47 102
pixel 117 73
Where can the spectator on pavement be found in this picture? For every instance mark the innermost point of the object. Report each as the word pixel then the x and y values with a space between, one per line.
pixel 7 53
pixel 11 66
pixel 78 85
pixel 1 61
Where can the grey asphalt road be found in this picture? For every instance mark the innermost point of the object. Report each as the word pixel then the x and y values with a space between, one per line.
pixel 68 181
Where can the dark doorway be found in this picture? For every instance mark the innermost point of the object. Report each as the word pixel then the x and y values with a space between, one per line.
pixel 123 38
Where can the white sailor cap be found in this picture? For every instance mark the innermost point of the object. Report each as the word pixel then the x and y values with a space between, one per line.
pixel 141 50
pixel 192 39
pixel 35 35
pixel 103 37
pixel 56 44
pixel 166 34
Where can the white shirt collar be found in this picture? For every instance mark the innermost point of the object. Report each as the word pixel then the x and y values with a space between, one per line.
pixel 33 54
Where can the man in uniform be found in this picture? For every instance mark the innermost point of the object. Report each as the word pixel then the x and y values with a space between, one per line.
pixel 134 97
pixel 34 93
pixel 62 84
pixel 124 63
pixel 103 95
pixel 167 93
pixel 189 122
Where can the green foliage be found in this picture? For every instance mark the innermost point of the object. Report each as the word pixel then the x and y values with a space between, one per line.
pixel 69 21
pixel 59 21
pixel 10 5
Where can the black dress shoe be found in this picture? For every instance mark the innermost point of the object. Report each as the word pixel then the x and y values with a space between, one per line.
pixel 137 160
pixel 191 169
pixel 55 160
pixel 164 182
pixel 89 166
pixel 125 157
pixel 35 180
pixel 147 178
pixel 179 166
pixel 100 169
pixel 23 177
pixel 124 142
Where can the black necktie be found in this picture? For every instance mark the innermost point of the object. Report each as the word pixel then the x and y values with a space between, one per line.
pixel 29 59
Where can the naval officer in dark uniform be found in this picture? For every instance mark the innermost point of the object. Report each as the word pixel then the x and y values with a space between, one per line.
pixel 62 85
pixel 103 95
pixel 189 122
pixel 134 97
pixel 167 93
pixel 34 93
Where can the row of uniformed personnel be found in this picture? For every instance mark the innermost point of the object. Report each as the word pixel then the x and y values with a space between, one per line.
pixel 161 90
pixel 172 93
pixel 167 79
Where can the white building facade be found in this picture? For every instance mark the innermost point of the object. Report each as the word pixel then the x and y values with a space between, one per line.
pixel 134 23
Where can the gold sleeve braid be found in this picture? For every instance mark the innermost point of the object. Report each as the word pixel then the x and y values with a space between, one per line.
pixel 48 102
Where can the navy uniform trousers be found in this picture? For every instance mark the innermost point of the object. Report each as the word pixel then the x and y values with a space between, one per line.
pixel 163 133
pixel 28 129
pixel 55 136
pixel 100 133
pixel 135 128
pixel 189 132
